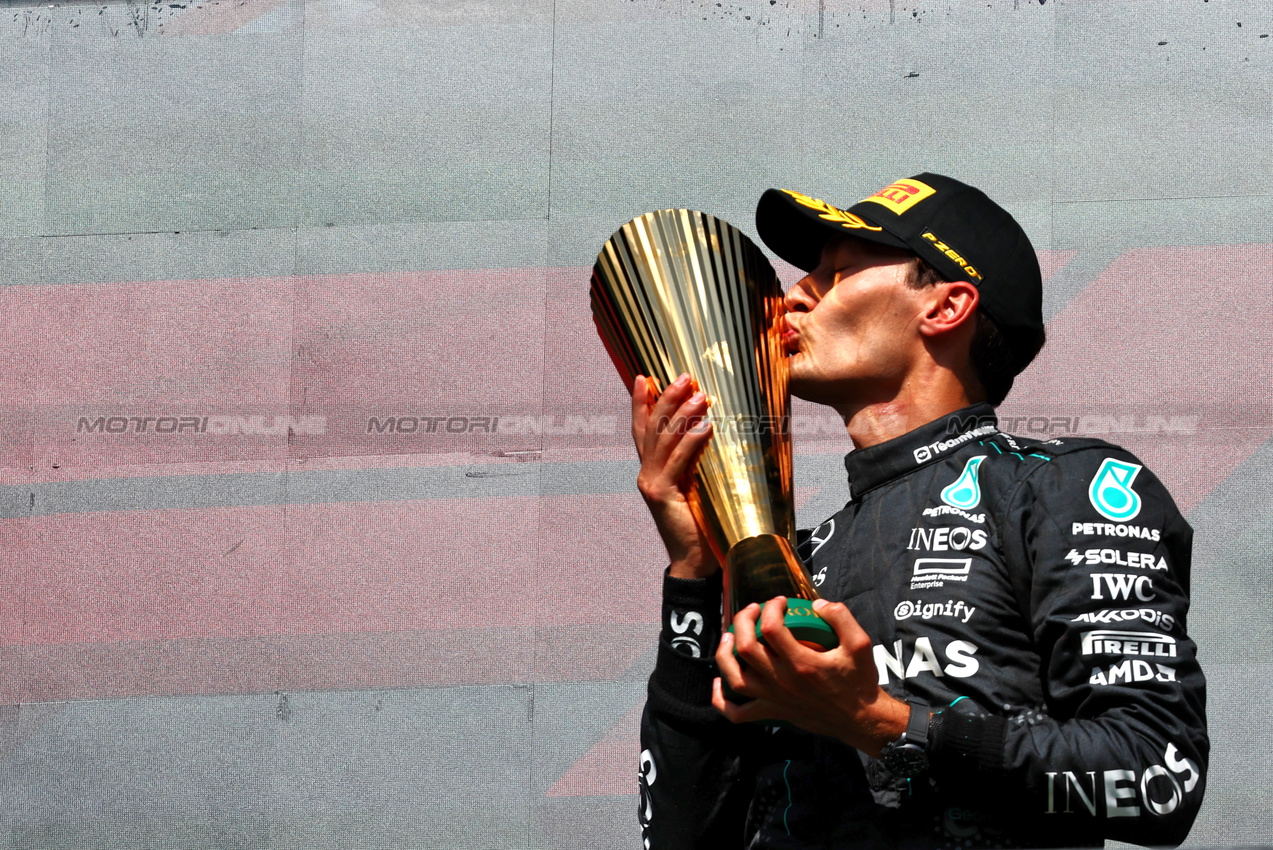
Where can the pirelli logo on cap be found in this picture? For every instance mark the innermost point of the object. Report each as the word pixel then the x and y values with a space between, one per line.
pixel 902 195
pixel 953 254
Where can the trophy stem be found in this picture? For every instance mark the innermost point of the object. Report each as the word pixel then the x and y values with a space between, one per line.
pixel 764 566
pixel 759 568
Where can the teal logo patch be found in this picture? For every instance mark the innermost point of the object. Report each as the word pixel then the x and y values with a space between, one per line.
pixel 965 492
pixel 1111 490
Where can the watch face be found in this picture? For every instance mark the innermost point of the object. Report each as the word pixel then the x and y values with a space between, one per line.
pixel 904 760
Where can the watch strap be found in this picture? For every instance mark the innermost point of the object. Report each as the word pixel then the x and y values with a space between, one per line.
pixel 908 755
pixel 917 726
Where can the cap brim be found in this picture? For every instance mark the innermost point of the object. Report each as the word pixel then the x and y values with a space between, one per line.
pixel 797 233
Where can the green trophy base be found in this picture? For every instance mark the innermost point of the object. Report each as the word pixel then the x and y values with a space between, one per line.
pixel 807 627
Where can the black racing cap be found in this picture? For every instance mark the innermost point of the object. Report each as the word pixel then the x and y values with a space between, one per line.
pixel 955 228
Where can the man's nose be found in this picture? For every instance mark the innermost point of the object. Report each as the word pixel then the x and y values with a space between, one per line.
pixel 800 299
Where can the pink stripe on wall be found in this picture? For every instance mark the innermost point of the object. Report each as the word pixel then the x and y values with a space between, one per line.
pixel 1168 332
pixel 460 339
pixel 519 344
pixel 609 766
pixel 1051 262
pixel 185 348
pixel 467 344
pixel 329 569
pixel 436 658
pixel 509 346
pixel 394 594
pixel 156 343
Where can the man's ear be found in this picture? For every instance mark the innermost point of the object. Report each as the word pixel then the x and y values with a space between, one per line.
pixel 949 306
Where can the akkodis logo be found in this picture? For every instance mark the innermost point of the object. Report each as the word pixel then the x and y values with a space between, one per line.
pixel 965 492
pixel 1111 490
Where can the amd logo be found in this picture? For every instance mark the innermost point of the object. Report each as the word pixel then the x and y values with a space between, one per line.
pixel 1132 670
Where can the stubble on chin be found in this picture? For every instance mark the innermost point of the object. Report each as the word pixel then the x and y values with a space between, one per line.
pixel 802 387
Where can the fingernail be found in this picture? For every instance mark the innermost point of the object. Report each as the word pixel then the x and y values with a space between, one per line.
pixel 819 604
pixel 682 378
pixel 701 426
pixel 697 397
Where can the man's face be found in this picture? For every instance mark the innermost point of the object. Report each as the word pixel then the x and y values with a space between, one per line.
pixel 852 324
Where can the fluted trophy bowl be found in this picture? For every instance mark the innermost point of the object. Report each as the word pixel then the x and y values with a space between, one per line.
pixel 680 291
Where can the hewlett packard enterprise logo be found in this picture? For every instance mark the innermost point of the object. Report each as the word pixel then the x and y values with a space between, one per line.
pixel 935 572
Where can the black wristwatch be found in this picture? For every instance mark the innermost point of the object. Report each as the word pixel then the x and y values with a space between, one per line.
pixel 908 755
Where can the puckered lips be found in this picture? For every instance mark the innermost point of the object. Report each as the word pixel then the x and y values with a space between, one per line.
pixel 790 337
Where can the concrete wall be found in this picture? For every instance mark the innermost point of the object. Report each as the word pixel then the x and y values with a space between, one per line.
pixel 220 219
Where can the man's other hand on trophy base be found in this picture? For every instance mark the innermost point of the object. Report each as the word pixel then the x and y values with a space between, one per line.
pixel 671 433
pixel 834 692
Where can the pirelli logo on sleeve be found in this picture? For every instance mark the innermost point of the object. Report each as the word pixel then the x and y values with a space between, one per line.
pixel 902 195
pixel 953 254
pixel 1116 642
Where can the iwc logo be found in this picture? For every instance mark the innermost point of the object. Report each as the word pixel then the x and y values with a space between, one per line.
pixel 965 493
pixel 1111 490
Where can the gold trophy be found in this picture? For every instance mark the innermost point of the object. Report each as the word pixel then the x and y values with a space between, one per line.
pixel 680 291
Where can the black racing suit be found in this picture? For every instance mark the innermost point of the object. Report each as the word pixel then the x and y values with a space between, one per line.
pixel 1035 591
